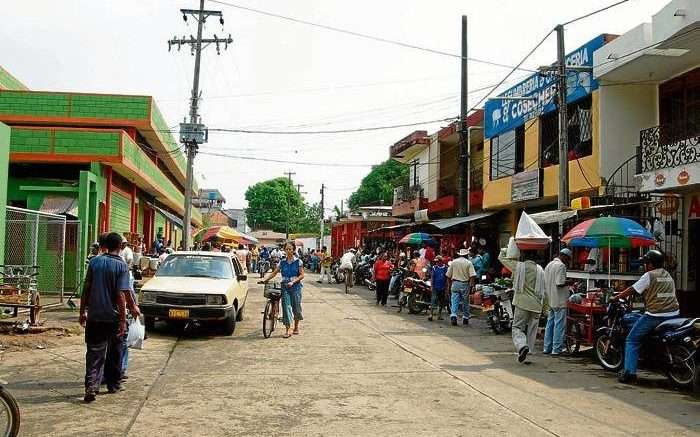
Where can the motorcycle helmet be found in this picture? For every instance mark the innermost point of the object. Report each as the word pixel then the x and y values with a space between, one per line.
pixel 653 257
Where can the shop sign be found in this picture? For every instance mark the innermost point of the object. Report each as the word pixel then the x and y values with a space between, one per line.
pixel 694 209
pixel 666 178
pixel 525 186
pixel 504 115
pixel 421 216
pixel 669 205
pixel 660 179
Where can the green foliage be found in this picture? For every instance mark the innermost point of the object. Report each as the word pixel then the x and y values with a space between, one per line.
pixel 267 207
pixel 271 202
pixel 379 184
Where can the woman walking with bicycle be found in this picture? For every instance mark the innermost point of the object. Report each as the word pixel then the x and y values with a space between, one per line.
pixel 292 271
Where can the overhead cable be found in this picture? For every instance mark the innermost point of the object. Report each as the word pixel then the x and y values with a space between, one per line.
pixel 363 35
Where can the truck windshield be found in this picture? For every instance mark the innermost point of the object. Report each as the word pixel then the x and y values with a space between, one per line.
pixel 196 266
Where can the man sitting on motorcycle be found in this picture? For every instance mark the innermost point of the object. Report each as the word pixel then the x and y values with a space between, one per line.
pixel 659 292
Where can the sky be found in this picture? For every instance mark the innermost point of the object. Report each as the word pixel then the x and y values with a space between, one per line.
pixel 281 75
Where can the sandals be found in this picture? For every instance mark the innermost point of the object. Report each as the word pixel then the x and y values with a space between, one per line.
pixel 295 332
pixel 285 335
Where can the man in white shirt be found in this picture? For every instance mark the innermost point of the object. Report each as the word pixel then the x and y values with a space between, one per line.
pixel 557 293
pixel 460 280
pixel 347 264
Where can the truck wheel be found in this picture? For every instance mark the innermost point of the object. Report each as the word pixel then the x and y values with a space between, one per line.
pixel 149 322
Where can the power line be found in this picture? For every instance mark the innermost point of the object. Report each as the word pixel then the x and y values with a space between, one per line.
pixel 283 161
pixel 595 12
pixel 335 131
pixel 364 35
pixel 513 70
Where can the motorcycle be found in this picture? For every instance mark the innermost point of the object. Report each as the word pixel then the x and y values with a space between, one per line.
pixel 337 273
pixel 363 273
pixel 496 304
pixel 671 348
pixel 417 293
pixel 263 267
pixel 400 273
pixel 9 413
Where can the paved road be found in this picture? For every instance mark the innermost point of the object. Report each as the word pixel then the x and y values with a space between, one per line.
pixel 356 369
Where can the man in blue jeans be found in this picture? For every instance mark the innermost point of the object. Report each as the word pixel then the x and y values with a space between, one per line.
pixel 557 292
pixel 460 280
pixel 658 289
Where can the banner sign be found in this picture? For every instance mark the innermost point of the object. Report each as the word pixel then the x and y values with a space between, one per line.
pixel 525 186
pixel 504 115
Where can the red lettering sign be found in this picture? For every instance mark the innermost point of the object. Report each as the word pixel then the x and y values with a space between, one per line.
pixel 694 211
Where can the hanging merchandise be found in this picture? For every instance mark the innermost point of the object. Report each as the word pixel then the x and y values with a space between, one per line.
pixel 529 235
pixel 659 230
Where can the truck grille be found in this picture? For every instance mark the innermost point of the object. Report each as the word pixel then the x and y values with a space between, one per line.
pixel 181 299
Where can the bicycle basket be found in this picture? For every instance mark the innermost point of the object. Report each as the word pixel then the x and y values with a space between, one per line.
pixel 272 291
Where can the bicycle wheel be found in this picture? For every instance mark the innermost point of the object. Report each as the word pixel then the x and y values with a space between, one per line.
pixel 268 320
pixel 9 414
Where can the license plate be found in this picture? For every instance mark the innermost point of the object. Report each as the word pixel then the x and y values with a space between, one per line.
pixel 178 314
pixel 487 308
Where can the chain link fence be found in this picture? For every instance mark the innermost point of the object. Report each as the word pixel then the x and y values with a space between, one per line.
pixel 34 238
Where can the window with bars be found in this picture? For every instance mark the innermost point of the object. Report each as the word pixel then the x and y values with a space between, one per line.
pixel 580 133
pixel 507 153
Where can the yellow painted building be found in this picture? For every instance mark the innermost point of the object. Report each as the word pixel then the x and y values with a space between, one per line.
pixel 520 166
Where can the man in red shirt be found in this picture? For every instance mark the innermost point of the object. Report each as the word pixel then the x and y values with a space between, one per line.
pixel 381 274
pixel 429 253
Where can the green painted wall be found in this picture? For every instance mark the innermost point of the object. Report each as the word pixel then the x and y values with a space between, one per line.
pixel 67 142
pixel 42 104
pixel 133 153
pixel 4 162
pixel 166 137
pixel 120 214
pixel 159 227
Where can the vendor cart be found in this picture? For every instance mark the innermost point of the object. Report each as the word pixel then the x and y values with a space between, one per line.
pixel 582 321
pixel 19 289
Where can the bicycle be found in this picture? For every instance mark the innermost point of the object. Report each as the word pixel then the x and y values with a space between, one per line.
pixel 273 293
pixel 9 413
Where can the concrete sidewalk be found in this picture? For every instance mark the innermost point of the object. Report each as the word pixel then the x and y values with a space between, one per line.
pixel 356 369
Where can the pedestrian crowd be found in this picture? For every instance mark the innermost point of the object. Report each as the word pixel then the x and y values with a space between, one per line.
pixel 536 291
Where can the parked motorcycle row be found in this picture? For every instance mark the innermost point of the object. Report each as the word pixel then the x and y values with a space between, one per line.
pixel 672 349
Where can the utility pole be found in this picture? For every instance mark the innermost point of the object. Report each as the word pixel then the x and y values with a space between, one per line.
pixel 194 133
pixel 289 175
pixel 323 193
pixel 563 122
pixel 299 188
pixel 463 165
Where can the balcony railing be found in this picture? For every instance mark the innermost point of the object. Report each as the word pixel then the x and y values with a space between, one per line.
pixel 406 193
pixel 667 146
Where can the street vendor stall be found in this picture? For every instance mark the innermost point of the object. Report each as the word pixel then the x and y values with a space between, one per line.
pixel 586 311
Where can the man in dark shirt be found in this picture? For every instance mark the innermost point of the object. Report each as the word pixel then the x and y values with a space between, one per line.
pixel 106 294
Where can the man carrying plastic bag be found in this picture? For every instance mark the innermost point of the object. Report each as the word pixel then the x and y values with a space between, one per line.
pixel 528 283
pixel 136 335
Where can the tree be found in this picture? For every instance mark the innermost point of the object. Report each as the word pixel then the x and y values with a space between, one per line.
pixel 378 185
pixel 271 203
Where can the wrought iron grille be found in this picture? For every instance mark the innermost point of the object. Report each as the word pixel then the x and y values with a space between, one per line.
pixel 666 146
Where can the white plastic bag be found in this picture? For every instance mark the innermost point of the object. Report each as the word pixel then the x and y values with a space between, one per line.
pixel 512 252
pixel 529 234
pixel 136 335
